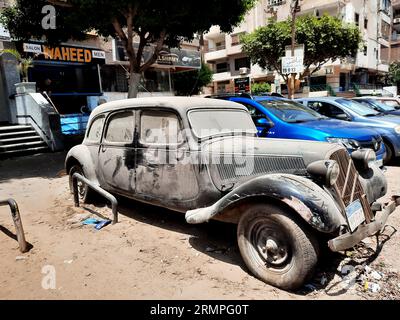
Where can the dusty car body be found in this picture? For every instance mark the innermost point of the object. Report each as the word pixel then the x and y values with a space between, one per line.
pixel 202 157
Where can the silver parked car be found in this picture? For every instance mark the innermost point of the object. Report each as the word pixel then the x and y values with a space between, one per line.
pixel 202 157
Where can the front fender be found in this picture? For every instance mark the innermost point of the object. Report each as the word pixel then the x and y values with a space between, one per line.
pixel 81 154
pixel 309 200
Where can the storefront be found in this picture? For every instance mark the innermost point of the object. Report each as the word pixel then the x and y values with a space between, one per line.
pixel 69 75
pixel 157 79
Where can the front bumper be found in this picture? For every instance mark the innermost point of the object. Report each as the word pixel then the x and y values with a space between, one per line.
pixel 349 240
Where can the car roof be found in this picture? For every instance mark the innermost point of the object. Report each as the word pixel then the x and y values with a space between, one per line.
pixel 180 104
pixel 321 98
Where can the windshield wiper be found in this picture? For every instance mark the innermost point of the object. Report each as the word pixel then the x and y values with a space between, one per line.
pixel 299 121
pixel 371 114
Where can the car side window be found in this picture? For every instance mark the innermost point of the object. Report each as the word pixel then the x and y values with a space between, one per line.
pixel 160 127
pixel 95 130
pixel 121 127
pixel 326 109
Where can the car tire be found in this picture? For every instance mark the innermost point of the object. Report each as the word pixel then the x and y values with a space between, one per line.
pixel 389 153
pixel 85 193
pixel 276 247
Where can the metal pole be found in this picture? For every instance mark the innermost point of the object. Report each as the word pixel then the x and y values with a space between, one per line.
pixel 23 246
pixel 293 6
pixel 114 203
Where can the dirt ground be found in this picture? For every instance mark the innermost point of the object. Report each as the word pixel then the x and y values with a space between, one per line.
pixel 153 253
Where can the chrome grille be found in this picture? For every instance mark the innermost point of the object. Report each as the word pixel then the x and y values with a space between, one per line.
pixel 348 186
pixel 256 165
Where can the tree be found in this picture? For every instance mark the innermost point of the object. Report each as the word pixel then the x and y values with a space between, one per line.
pixel 190 82
pixel 23 63
pixel 394 73
pixel 325 38
pixel 260 87
pixel 152 24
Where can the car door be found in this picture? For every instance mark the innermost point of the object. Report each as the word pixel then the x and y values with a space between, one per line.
pixel 117 152
pixel 164 171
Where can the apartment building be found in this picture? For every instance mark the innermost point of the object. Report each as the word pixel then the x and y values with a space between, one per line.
pixel 372 16
pixel 394 53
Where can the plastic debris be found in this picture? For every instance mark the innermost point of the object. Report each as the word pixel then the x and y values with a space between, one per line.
pixel 102 224
pixel 68 261
pixel 372 287
pixel 90 221
pixel 19 258
pixel 323 280
pixel 376 275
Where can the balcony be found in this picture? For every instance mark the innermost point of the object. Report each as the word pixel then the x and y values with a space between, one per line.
pixel 215 54
pixel 222 76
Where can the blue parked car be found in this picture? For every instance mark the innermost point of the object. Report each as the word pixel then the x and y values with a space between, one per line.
pixel 388 126
pixel 378 106
pixel 277 117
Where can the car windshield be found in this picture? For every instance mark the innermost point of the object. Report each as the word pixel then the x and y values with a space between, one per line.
pixel 209 122
pixel 358 108
pixel 379 105
pixel 290 111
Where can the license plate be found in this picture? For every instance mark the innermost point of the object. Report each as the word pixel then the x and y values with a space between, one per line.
pixel 355 214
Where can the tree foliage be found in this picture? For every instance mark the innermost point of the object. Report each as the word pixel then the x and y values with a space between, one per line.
pixel 190 82
pixel 394 73
pixel 260 87
pixel 157 23
pixel 325 38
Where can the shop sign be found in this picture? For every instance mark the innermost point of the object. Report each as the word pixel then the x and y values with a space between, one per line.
pixel 173 57
pixel 242 85
pixel 64 53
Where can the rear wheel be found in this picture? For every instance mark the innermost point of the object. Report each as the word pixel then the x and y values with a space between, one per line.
pixel 84 192
pixel 275 247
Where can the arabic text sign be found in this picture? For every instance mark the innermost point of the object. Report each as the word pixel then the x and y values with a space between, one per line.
pixel 292 64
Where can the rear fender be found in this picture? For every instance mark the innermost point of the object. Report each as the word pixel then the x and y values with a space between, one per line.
pixel 313 204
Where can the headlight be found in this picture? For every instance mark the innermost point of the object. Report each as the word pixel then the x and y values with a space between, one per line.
pixel 348 143
pixel 363 158
pixel 397 129
pixel 327 170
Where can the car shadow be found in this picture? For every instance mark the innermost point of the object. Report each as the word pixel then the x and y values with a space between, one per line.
pixel 218 241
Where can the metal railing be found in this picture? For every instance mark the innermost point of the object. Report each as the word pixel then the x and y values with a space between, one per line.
pixel 114 203
pixel 23 245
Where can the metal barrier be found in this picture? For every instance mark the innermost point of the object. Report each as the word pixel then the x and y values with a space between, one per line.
pixel 114 203
pixel 23 245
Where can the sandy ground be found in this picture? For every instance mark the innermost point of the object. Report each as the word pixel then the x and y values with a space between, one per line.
pixel 153 253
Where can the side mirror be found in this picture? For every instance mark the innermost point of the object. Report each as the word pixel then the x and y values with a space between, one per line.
pixel 342 116
pixel 263 122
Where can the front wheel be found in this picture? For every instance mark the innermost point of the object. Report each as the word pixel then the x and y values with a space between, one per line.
pixel 85 193
pixel 275 247
pixel 389 153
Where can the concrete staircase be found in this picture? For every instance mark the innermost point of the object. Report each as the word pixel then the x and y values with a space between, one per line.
pixel 17 140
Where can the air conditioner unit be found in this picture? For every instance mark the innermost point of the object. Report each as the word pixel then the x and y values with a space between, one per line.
pixel 244 70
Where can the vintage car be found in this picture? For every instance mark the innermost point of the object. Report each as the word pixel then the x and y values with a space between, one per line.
pixel 202 157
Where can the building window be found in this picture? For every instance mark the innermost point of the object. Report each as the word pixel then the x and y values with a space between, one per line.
pixel 220 45
pixel 365 23
pixel 356 19
pixel 236 38
pixel 242 63
pixel 223 86
pixel 222 67
pixel 365 50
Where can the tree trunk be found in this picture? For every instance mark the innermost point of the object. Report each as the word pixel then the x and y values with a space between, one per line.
pixel 134 81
